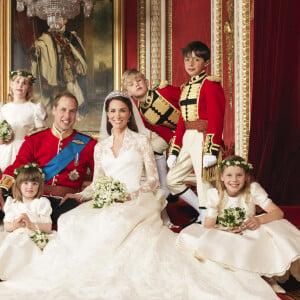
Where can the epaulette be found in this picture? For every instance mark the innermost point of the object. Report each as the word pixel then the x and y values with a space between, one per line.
pixel 94 136
pixel 163 84
pixel 214 78
pixel 37 130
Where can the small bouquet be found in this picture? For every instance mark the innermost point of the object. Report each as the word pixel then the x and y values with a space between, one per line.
pixel 40 238
pixel 232 217
pixel 6 131
pixel 108 191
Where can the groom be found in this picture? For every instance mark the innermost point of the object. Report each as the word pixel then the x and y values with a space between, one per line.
pixel 63 153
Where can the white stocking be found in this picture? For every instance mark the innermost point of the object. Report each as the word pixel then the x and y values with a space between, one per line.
pixel 161 164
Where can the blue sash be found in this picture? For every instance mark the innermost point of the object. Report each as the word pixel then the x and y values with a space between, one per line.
pixel 64 157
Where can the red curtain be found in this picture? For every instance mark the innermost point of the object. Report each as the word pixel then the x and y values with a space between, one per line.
pixel 274 147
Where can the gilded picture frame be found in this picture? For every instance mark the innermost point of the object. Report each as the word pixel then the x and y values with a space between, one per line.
pixel 103 53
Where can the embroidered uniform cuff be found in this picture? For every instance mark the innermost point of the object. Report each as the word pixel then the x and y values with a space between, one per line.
pixel 7 182
pixel 209 147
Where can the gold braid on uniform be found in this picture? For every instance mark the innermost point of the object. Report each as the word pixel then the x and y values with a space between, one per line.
pixel 211 173
pixel 6 182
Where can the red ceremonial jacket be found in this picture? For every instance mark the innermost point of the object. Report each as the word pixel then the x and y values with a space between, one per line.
pixel 202 98
pixel 160 112
pixel 43 146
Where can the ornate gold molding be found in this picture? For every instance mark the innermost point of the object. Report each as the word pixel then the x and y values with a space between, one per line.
pixel 229 36
pixel 118 45
pixel 242 76
pixel 155 37
pixel 5 48
pixel 216 37
pixel 142 36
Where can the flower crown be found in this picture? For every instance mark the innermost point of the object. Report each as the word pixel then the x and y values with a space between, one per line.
pixel 33 166
pixel 242 164
pixel 22 73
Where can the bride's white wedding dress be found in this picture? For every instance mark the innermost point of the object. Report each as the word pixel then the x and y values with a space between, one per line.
pixel 124 251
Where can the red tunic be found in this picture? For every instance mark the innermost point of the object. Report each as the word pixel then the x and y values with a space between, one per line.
pixel 43 146
pixel 160 111
pixel 209 105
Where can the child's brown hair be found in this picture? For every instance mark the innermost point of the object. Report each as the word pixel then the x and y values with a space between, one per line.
pixel 29 172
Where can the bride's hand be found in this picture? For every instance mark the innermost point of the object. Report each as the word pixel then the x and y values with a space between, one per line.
pixel 133 195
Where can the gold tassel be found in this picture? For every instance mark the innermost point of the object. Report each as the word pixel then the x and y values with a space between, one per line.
pixel 211 174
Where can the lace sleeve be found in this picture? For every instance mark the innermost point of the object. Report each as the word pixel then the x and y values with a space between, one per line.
pixel 152 181
pixel 88 192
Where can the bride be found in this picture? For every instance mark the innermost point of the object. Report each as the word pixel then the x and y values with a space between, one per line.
pixel 123 251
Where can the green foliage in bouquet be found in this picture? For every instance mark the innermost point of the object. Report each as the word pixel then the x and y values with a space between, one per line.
pixel 107 191
pixel 6 131
pixel 232 217
pixel 40 238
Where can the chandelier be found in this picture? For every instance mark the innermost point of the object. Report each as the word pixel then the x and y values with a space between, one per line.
pixel 55 11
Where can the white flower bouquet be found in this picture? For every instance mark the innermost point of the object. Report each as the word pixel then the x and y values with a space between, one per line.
pixel 232 217
pixel 6 131
pixel 108 191
pixel 40 238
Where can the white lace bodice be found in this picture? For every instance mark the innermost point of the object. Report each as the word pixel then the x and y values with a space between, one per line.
pixel 135 158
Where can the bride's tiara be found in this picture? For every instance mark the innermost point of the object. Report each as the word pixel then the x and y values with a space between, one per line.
pixel 117 94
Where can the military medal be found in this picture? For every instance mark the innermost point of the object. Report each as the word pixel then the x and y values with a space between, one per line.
pixel 76 161
pixel 73 175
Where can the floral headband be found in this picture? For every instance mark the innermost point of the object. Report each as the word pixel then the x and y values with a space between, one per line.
pixel 242 164
pixel 33 166
pixel 22 73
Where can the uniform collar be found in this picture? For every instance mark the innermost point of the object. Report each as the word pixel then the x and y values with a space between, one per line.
pixel 63 134
pixel 198 77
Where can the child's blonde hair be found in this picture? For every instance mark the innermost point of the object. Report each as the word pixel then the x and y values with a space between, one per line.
pixel 129 74
pixel 29 172
pixel 29 79
pixel 234 160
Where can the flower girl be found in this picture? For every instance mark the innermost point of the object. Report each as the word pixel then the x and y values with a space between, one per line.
pixel 29 116
pixel 264 244
pixel 27 221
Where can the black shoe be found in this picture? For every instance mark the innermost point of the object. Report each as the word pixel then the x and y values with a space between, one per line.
pixel 193 221
pixel 172 198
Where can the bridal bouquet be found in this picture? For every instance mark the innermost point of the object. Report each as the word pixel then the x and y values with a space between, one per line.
pixel 6 131
pixel 108 191
pixel 232 217
pixel 40 238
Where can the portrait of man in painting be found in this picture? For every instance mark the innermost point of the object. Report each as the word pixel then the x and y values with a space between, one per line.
pixel 77 58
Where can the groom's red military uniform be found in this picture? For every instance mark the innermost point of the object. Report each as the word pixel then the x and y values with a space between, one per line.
pixel 40 148
pixel 67 173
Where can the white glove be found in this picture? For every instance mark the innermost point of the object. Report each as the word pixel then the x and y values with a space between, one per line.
pixel 209 160
pixel 171 161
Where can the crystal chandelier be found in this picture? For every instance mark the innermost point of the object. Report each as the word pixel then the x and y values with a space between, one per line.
pixel 55 11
